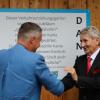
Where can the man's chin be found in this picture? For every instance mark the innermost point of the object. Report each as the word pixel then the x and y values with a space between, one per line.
pixel 86 51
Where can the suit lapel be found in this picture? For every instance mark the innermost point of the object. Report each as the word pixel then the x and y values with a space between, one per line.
pixel 83 67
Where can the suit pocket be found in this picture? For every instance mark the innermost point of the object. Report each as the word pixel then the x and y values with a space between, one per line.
pixel 96 73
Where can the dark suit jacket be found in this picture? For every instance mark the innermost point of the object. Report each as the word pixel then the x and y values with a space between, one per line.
pixel 89 86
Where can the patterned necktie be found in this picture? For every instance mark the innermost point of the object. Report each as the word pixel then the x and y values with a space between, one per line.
pixel 88 63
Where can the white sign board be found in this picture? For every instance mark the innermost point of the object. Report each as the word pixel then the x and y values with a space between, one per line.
pixel 60 44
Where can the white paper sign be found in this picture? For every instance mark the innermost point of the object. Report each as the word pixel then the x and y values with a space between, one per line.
pixel 60 45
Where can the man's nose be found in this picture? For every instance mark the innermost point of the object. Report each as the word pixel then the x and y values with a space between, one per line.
pixel 82 44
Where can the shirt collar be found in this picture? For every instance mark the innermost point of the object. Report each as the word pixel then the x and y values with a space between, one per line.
pixel 93 56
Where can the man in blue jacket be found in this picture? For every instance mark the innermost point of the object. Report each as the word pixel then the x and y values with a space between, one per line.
pixel 23 71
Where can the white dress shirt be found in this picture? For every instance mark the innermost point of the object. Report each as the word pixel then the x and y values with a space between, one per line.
pixel 93 56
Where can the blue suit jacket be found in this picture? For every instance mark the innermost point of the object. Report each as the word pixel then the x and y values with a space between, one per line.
pixel 22 73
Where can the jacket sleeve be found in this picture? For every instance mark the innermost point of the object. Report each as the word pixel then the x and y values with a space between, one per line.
pixel 46 78
pixel 68 82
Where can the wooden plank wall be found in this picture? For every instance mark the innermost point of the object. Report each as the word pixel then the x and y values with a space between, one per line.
pixel 92 5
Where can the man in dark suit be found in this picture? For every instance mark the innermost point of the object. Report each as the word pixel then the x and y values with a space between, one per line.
pixel 88 79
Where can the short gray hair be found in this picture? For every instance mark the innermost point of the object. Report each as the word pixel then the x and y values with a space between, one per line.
pixel 92 31
pixel 27 28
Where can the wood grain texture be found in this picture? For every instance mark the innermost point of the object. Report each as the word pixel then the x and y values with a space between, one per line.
pixel 19 3
pixel 46 95
pixel 77 4
pixel 92 5
pixel 4 3
pixel 71 94
pixel 59 4
pixel 39 3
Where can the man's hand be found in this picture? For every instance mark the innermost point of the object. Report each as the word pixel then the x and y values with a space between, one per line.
pixel 72 71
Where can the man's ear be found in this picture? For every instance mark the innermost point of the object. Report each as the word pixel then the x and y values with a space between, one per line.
pixel 98 41
pixel 32 39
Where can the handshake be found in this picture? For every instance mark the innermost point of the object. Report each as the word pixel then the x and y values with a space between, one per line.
pixel 72 71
